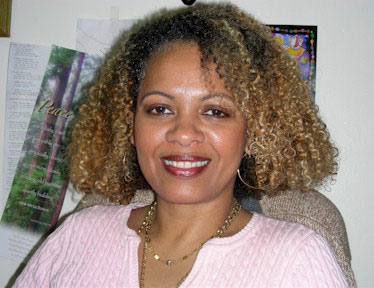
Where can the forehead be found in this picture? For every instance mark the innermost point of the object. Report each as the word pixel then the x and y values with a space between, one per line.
pixel 178 67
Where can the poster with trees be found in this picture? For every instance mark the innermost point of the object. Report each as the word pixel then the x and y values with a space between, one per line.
pixel 40 183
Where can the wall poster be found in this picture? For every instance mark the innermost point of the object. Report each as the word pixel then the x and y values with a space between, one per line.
pixel 40 180
pixel 300 43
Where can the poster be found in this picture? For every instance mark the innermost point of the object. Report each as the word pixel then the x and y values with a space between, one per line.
pixel 26 67
pixel 40 181
pixel 300 43
pixel 96 36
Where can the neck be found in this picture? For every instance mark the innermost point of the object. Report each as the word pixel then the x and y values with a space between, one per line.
pixel 189 224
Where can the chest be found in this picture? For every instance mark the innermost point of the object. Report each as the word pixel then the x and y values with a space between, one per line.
pixel 113 262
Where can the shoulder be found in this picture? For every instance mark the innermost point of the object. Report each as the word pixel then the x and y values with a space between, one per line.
pixel 299 235
pixel 103 213
pixel 93 220
pixel 307 258
pixel 82 235
pixel 292 237
pixel 268 228
pixel 100 213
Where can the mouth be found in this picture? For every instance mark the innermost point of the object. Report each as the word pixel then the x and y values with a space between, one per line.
pixel 185 165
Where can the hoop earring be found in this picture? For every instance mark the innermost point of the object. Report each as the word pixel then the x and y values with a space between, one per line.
pixel 246 184
pixel 128 175
pixel 124 160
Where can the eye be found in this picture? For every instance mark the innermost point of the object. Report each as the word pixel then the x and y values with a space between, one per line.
pixel 159 110
pixel 216 113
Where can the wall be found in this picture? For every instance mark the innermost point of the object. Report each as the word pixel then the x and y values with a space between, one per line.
pixel 344 87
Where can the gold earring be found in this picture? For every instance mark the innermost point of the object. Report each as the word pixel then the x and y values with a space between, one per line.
pixel 246 184
pixel 128 177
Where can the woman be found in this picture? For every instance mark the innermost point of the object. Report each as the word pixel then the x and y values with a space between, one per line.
pixel 182 103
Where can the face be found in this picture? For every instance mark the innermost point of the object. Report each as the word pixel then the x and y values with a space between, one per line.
pixel 188 134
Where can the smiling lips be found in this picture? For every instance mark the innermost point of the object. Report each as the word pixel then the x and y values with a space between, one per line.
pixel 185 165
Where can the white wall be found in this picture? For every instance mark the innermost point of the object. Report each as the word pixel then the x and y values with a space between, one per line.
pixel 345 90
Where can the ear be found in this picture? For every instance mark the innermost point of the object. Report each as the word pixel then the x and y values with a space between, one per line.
pixel 132 136
pixel 248 145
pixel 248 150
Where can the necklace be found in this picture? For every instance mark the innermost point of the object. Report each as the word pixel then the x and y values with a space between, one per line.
pixel 147 224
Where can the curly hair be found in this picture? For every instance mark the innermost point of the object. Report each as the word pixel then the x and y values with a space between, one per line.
pixel 290 147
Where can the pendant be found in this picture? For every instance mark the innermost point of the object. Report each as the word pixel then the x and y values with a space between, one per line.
pixel 169 262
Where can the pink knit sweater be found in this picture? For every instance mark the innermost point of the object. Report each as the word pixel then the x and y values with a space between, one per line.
pixel 95 248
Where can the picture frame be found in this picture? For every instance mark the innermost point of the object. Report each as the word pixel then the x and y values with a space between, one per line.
pixel 300 43
pixel 5 12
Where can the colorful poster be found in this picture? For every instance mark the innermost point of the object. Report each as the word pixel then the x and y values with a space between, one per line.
pixel 300 43
pixel 40 183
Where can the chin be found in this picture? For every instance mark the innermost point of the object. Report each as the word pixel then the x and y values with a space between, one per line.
pixel 184 197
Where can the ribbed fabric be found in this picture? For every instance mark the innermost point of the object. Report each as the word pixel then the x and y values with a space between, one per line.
pixel 95 248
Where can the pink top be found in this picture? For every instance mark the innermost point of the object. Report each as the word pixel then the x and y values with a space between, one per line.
pixel 95 248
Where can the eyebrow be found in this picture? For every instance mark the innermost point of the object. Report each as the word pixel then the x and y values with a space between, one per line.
pixel 206 97
pixel 156 93
pixel 217 95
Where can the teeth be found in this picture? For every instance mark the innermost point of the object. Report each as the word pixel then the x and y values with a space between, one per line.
pixel 185 164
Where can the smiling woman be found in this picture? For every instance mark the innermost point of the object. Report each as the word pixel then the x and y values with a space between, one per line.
pixel 182 103
pixel 182 119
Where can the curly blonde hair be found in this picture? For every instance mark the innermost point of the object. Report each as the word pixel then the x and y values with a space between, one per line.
pixel 290 147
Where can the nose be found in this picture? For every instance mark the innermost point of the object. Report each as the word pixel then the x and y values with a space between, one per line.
pixel 185 131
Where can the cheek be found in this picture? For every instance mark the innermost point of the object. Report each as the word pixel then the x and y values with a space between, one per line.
pixel 147 138
pixel 229 143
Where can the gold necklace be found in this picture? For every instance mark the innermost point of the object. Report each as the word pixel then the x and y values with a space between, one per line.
pixel 147 224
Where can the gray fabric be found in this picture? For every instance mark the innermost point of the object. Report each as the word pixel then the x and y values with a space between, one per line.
pixel 251 204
